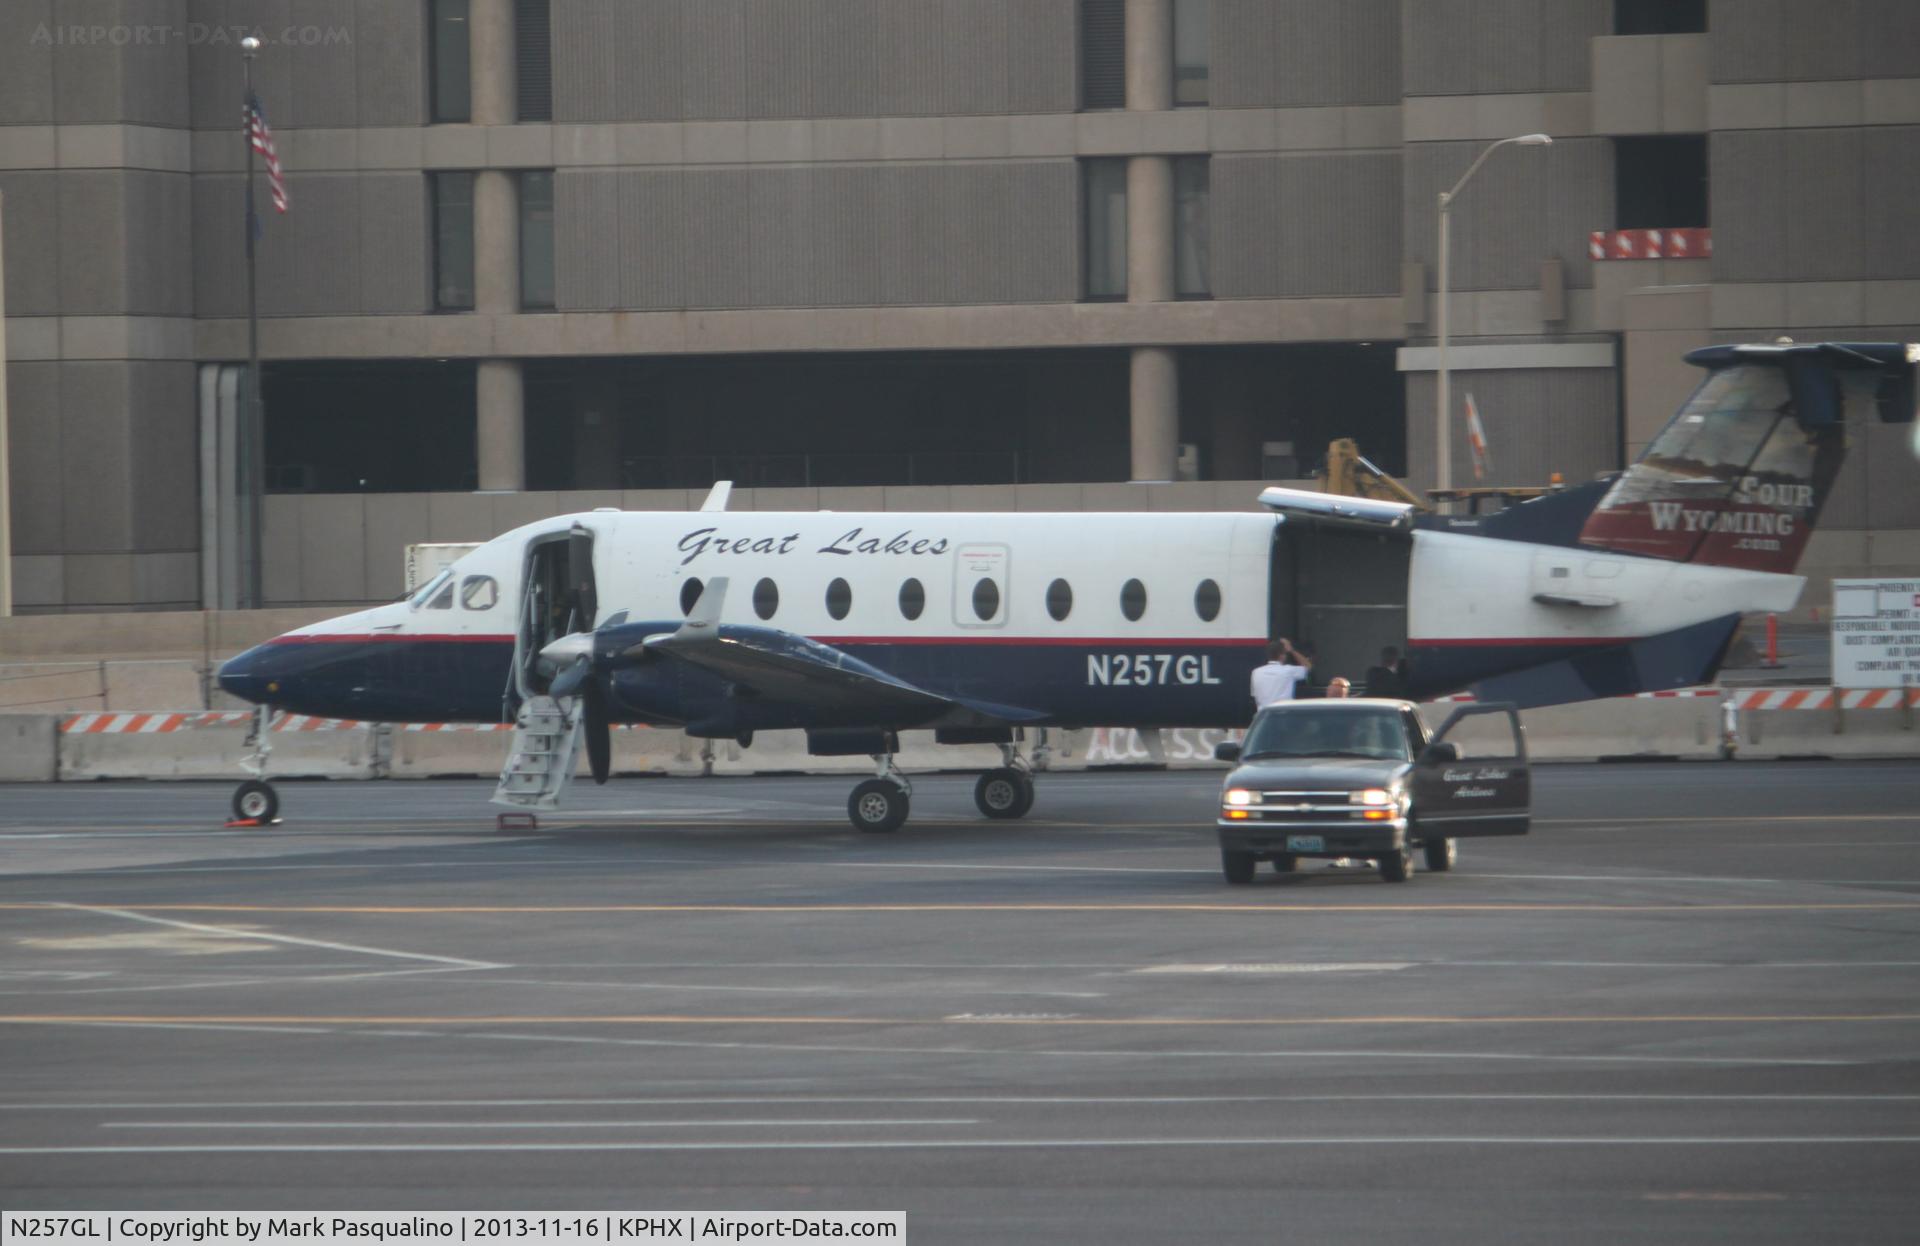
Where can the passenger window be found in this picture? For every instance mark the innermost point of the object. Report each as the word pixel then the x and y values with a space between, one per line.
pixel 766 598
pixel 1133 600
pixel 1059 600
pixel 1206 601
pixel 690 595
pixel 443 600
pixel 986 599
pixel 913 599
pixel 839 599
pixel 479 592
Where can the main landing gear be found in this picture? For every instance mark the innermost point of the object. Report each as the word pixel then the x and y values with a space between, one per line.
pixel 1008 791
pixel 881 804
pixel 255 803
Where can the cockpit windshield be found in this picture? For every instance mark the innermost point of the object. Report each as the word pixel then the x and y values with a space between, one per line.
pixel 429 589
pixel 1374 734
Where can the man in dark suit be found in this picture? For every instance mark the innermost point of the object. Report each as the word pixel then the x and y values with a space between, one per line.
pixel 1389 679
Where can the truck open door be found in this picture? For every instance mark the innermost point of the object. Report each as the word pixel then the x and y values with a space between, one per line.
pixel 1471 779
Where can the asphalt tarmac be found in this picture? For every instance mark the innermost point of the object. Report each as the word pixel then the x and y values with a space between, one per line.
pixel 1686 1008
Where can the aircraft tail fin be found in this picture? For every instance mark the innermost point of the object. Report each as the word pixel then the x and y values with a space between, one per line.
pixel 1739 476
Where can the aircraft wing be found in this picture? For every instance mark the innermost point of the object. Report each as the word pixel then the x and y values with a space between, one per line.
pixel 785 666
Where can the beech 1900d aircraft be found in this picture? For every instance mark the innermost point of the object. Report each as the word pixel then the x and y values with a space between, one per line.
pixel 853 627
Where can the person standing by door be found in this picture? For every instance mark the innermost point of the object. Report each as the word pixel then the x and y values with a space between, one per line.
pixel 1286 667
pixel 1389 679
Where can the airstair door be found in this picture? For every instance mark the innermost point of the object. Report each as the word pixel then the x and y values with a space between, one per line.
pixel 559 596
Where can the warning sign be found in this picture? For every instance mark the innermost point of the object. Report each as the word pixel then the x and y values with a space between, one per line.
pixel 1876 633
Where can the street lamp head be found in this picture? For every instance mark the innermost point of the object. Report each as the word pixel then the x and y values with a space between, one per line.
pixel 1535 140
pixel 249 45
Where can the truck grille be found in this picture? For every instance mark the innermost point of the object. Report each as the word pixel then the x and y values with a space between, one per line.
pixel 1289 806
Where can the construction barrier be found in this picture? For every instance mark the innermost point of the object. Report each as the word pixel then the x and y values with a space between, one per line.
pixel 1689 723
pixel 29 748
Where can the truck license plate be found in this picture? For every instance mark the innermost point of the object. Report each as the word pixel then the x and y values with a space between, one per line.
pixel 1306 843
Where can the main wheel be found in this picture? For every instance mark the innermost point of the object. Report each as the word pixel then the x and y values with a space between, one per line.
pixel 1441 854
pixel 256 801
pixel 1237 866
pixel 877 806
pixel 1397 867
pixel 1004 793
pixel 1285 865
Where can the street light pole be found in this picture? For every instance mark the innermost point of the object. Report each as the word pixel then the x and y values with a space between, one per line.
pixel 1442 430
pixel 253 450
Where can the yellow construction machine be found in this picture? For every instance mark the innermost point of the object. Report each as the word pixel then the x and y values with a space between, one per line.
pixel 1349 474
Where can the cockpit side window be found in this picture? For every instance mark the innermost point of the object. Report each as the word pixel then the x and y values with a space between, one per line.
pixel 443 600
pixel 479 592
pixel 430 590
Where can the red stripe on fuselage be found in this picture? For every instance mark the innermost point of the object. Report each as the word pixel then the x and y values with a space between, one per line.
pixel 357 638
pixel 1483 642
pixel 322 638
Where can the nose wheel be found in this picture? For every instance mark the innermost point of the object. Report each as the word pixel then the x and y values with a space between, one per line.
pixel 256 801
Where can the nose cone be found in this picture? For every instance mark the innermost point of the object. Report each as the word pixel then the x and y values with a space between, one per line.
pixel 246 676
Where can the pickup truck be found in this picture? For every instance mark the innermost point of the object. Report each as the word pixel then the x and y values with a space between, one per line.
pixel 1363 779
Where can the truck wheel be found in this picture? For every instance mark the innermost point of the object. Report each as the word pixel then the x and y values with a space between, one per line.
pixel 1237 866
pixel 1441 854
pixel 1397 867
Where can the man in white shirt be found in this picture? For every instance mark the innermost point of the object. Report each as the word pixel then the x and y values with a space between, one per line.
pixel 1285 668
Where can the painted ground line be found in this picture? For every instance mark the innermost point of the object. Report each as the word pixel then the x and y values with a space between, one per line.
pixel 966 1020
pixel 962 1100
pixel 292 940
pixel 979 1144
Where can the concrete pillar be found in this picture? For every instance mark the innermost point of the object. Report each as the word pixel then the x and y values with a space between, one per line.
pixel 496 243
pixel 500 419
pixel 490 36
pixel 6 477
pixel 1149 55
pixel 1155 407
pixel 502 425
pixel 1150 271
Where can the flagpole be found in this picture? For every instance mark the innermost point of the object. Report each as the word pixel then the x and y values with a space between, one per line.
pixel 252 425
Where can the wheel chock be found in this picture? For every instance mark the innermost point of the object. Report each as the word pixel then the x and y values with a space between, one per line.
pixel 249 824
pixel 516 822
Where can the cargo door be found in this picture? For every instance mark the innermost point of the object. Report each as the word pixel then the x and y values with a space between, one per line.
pixel 1341 590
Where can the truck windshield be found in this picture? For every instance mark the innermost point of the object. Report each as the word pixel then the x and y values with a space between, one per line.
pixel 1313 732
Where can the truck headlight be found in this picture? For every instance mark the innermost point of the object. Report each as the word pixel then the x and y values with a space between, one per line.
pixel 1371 796
pixel 1237 796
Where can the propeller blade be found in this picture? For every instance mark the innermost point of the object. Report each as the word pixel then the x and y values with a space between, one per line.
pixel 569 681
pixel 599 735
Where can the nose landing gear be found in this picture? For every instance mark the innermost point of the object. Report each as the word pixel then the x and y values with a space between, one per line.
pixel 255 803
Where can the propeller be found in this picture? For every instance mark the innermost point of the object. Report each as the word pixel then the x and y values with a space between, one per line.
pixel 571 657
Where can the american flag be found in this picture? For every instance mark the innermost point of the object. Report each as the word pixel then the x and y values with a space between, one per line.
pixel 1477 440
pixel 260 134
